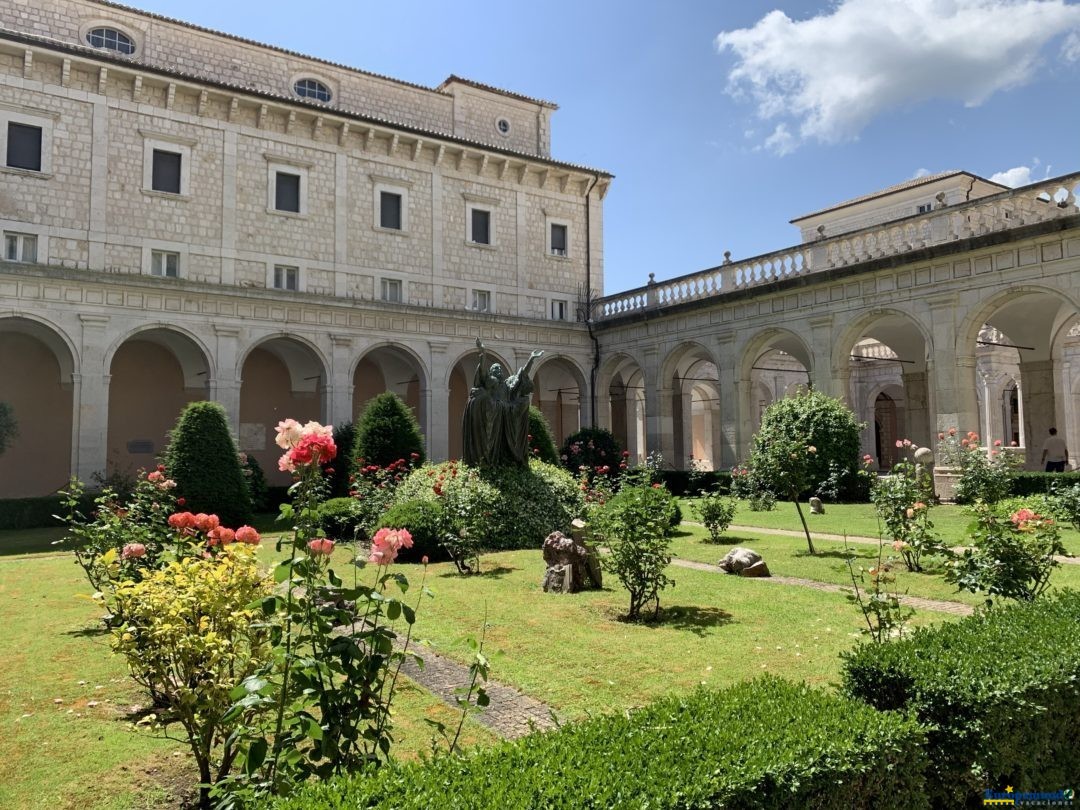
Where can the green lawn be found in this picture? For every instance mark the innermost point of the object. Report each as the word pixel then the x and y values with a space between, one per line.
pixel 858 520
pixel 788 556
pixel 73 755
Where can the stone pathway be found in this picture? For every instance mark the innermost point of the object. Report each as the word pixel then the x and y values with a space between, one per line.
pixel 511 714
pixel 917 602
pixel 841 538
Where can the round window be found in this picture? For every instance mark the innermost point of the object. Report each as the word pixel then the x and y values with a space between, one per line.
pixel 312 88
pixel 503 125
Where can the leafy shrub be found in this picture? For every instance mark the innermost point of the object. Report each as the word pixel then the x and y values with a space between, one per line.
pixel 676 514
pixel 635 525
pixel 690 482
pixel 541 442
pixel 255 479
pixel 190 636
pixel 1011 555
pixel 387 431
pixel 425 521
pixel 1040 483
pixel 340 518
pixel 203 460
pixel 984 475
pixel 1065 504
pixel 999 692
pixel 375 488
pixel 816 420
pixel 592 448
pixel 762 501
pixel 9 428
pixel 763 744
pixel 35 513
pixel 903 500
pixel 339 471
pixel 716 512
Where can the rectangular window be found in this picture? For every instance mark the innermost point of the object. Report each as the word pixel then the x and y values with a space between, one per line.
pixel 924 208
pixel 165 263
pixel 20 247
pixel 287 192
pixel 286 277
pixel 559 310
pixel 391 290
pixel 165 174
pixel 480 230
pixel 390 210
pixel 558 240
pixel 481 301
pixel 24 147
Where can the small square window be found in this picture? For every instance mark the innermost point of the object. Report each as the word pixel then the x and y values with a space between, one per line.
pixel 390 210
pixel 924 208
pixel 558 240
pixel 560 309
pixel 165 175
pixel 286 277
pixel 480 227
pixel 391 290
pixel 24 147
pixel 165 263
pixel 481 300
pixel 287 192
pixel 20 247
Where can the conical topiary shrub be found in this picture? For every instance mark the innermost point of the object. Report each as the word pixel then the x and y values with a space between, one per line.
pixel 203 460
pixel 541 442
pixel 388 430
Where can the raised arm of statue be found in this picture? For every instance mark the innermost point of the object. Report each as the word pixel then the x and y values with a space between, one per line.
pixel 481 373
pixel 521 384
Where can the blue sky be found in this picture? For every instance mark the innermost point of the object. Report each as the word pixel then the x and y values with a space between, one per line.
pixel 717 143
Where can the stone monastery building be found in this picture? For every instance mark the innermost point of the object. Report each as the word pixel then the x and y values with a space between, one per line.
pixel 187 214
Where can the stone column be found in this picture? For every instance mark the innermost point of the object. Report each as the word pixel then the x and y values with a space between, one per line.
pixel 822 376
pixel 952 374
pixel 683 429
pixel 338 397
pixel 1040 407
pixel 225 387
pixel 436 399
pixel 917 408
pixel 91 391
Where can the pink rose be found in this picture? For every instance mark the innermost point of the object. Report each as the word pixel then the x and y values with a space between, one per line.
pixel 155 476
pixel 220 536
pixel 321 547
pixel 182 520
pixel 288 433
pixel 133 551
pixel 248 535
pixel 206 523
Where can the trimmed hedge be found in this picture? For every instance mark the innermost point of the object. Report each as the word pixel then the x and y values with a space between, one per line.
pixel 339 518
pixel 423 518
pixel 768 743
pixel 682 482
pixel 1041 483
pixel 541 442
pixel 1000 691
pixel 36 513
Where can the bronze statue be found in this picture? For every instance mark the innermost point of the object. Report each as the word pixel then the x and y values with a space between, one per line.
pixel 496 420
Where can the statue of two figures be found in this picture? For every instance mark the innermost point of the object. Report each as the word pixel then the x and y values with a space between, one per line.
pixel 496 421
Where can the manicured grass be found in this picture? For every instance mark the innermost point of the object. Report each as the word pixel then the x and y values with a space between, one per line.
pixel 788 556
pixel 72 755
pixel 858 520
pixel 574 652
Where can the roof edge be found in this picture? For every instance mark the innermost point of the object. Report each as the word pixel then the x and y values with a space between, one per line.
pixel 455 79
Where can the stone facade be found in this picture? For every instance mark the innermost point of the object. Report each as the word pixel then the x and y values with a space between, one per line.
pixel 314 309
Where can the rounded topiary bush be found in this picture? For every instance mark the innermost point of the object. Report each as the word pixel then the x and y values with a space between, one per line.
pixel 541 442
pixel 533 502
pixel 815 420
pixel 203 460
pixel 424 520
pixel 388 431
pixel 339 518
pixel 591 447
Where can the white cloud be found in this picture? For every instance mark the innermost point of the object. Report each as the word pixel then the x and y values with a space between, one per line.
pixel 828 76
pixel 921 173
pixel 1016 176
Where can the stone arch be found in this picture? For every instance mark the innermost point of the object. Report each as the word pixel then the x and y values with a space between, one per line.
pixel 282 376
pixel 621 389
pixel 689 381
pixel 888 326
pixel 141 415
pixel 39 362
pixel 390 366
pixel 560 392
pixel 779 339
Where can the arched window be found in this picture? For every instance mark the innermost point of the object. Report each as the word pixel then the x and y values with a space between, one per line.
pixel 111 39
pixel 312 88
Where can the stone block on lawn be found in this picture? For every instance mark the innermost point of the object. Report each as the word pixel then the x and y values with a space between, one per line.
pixel 739 559
pixel 568 565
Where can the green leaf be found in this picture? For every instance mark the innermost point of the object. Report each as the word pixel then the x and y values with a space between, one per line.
pixel 256 755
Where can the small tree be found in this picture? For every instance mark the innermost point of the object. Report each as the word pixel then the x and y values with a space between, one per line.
pixel 784 465
pixel 203 460
pixel 819 421
pixel 388 431
pixel 634 528
pixel 9 428
pixel 541 442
